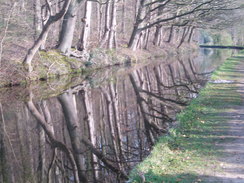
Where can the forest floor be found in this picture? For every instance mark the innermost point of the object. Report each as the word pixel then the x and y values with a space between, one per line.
pixel 208 143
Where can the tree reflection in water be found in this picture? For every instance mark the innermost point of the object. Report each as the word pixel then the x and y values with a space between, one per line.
pixel 95 134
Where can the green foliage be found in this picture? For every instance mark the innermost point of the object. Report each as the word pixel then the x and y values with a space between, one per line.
pixel 222 38
pixel 189 149
pixel 216 38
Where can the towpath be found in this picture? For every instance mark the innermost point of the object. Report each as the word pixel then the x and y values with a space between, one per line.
pixel 230 167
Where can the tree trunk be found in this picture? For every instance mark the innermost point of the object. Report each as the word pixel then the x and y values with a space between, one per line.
pixel 123 18
pixel 135 36
pixel 54 142
pixel 99 21
pixel 171 32
pixel 83 43
pixel 191 34
pixel 87 100
pixel 69 109
pixel 52 19
pixel 5 172
pixel 146 39
pixel 142 110
pixel 107 24
pixel 157 36
pixel 112 119
pixel 184 35
pixel 112 32
pixel 38 18
pixel 68 27
pixel 73 126
pixel 32 51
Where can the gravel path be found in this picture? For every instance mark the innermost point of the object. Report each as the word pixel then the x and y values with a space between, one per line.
pixel 232 163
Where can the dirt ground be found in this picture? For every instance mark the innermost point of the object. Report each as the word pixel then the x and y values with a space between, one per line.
pixel 232 163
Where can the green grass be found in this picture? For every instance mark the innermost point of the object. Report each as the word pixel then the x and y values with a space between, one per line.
pixel 190 148
pixel 222 38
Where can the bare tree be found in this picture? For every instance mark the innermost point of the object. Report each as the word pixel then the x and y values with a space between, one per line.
pixel 51 20
pixel 85 33
pixel 68 27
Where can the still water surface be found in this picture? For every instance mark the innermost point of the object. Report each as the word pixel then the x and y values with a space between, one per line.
pixel 100 127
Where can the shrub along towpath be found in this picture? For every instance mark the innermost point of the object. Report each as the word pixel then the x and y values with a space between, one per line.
pixel 208 143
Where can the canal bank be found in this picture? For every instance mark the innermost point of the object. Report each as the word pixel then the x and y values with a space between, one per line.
pixel 118 115
pixel 202 146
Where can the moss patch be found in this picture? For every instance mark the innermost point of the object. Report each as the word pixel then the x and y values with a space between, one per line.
pixel 52 63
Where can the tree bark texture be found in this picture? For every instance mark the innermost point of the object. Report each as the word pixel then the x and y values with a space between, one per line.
pixel 84 38
pixel 68 27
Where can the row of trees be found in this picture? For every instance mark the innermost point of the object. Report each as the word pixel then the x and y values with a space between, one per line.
pixel 113 23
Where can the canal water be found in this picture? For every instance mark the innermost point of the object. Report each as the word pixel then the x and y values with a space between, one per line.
pixel 98 126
